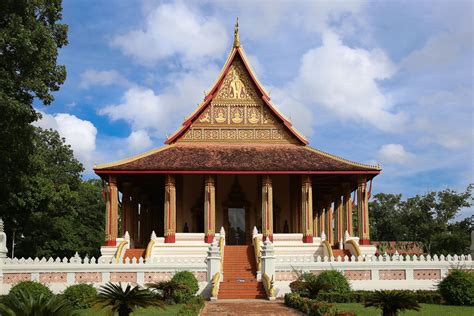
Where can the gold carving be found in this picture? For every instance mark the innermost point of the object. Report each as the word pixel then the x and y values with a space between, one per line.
pixel 237 84
pixel 206 118
pixel 254 116
pixel 237 115
pixel 220 116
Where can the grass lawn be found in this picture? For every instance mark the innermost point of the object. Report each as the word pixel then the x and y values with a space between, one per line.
pixel 168 311
pixel 426 310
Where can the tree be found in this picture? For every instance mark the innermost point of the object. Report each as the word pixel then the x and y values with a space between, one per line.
pixel 428 218
pixel 124 301
pixel 59 214
pixel 30 36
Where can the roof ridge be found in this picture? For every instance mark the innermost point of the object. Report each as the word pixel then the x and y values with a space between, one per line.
pixel 354 163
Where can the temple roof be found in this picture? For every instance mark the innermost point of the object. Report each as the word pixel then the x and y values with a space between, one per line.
pixel 247 158
pixel 236 128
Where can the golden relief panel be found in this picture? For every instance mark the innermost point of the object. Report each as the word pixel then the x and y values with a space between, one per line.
pixel 237 84
pixel 205 134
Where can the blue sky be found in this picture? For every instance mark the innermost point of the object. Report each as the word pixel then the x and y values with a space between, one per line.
pixel 382 81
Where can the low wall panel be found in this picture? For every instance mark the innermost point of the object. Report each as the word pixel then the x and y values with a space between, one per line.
pixel 392 275
pixel 88 277
pixel 12 278
pixel 127 277
pixel 427 274
pixel 53 277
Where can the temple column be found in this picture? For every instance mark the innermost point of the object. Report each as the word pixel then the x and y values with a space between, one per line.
pixel 267 208
pixel 339 232
pixel 111 227
pixel 328 220
pixel 134 217
pixel 347 206
pixel 316 231
pixel 144 219
pixel 363 211
pixel 170 209
pixel 307 209
pixel 321 221
pixel 209 208
pixel 125 208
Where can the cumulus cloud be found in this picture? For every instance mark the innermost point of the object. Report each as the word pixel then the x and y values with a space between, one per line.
pixel 344 81
pixel 92 77
pixel 395 153
pixel 160 113
pixel 80 134
pixel 138 141
pixel 174 29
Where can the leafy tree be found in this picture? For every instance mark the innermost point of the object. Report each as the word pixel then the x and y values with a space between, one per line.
pixel 392 301
pixel 60 214
pixel 428 218
pixel 30 36
pixel 124 301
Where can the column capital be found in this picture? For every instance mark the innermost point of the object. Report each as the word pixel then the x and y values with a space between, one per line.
pixel 209 179
pixel 112 180
pixel 266 179
pixel 362 180
pixel 306 179
pixel 170 180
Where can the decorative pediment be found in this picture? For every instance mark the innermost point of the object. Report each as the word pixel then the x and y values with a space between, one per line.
pixel 237 109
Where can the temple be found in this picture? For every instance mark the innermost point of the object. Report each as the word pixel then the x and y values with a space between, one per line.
pixel 236 167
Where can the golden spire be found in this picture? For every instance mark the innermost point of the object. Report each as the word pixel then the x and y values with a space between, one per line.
pixel 236 34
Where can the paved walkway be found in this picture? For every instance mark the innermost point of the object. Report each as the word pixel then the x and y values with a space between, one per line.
pixel 247 307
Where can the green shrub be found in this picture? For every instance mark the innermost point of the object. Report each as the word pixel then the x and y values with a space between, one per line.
pixel 80 296
pixel 35 289
pixel 458 288
pixel 320 308
pixel 337 281
pixel 193 306
pixel 428 297
pixel 187 279
pixel 308 306
pixel 423 296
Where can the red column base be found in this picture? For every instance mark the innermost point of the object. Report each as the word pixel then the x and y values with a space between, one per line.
pixel 308 239
pixel 110 243
pixel 269 237
pixel 170 239
pixel 364 242
pixel 208 239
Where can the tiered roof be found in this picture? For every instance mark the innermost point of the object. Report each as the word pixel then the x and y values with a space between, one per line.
pixel 236 128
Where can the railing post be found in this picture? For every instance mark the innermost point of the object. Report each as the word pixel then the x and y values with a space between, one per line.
pixel 213 261
pixel 268 259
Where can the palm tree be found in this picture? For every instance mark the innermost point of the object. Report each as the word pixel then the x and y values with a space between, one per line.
pixel 116 299
pixel 166 289
pixel 392 301
pixel 24 303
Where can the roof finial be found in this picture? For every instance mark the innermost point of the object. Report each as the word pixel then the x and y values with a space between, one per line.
pixel 236 34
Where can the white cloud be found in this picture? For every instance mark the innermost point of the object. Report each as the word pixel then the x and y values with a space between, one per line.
pixel 80 134
pixel 162 112
pixel 174 29
pixel 138 141
pixel 344 81
pixel 92 77
pixel 395 153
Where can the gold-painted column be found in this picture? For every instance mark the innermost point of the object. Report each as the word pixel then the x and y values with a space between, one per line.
pixel 339 233
pixel 134 216
pixel 112 212
pixel 209 208
pixel 363 211
pixel 321 224
pixel 347 205
pixel 307 208
pixel 125 207
pixel 170 209
pixel 328 222
pixel 267 208
pixel 316 231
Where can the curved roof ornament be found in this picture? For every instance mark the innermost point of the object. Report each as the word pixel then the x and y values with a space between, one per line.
pixel 236 34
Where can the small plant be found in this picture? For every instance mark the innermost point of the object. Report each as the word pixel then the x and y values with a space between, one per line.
pixel 25 302
pixel 80 296
pixel 166 289
pixel 392 301
pixel 124 301
pixel 189 281
pixel 193 306
pixel 308 285
pixel 337 281
pixel 34 289
pixel 458 288
pixel 321 308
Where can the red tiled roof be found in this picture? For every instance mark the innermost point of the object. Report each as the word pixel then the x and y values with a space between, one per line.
pixel 238 157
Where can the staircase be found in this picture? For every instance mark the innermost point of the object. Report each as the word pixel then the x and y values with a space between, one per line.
pixel 240 271
pixel 341 252
pixel 134 253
